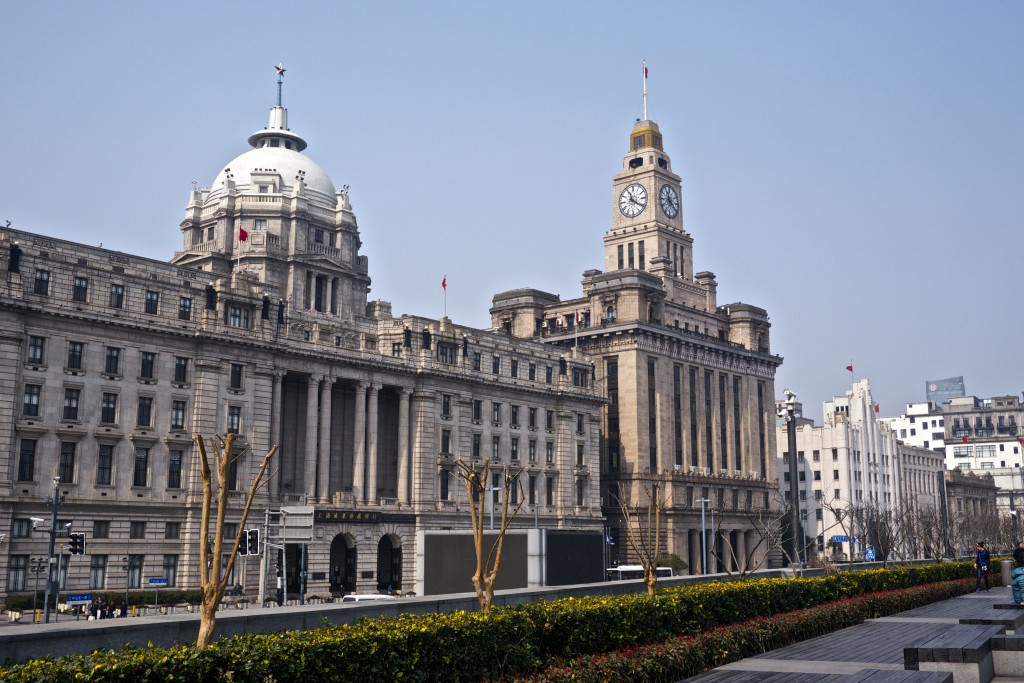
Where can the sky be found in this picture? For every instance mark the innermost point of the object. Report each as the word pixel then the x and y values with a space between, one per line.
pixel 853 168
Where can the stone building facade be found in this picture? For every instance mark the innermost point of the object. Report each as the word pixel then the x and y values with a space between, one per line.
pixel 690 383
pixel 260 326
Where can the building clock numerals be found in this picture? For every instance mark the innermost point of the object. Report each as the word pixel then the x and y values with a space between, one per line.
pixel 633 200
pixel 669 201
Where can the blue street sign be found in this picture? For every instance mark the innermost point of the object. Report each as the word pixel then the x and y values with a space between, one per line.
pixel 843 539
pixel 869 554
pixel 79 599
pixel 158 581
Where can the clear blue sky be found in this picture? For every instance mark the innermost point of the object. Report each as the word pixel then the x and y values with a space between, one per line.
pixel 854 168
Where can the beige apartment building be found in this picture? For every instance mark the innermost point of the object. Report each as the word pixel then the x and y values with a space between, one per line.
pixel 689 382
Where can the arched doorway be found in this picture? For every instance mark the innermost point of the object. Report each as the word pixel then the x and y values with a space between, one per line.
pixel 343 565
pixel 389 564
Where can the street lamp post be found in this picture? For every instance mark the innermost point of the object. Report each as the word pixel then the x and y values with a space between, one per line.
pixel 703 537
pixel 789 414
pixel 50 573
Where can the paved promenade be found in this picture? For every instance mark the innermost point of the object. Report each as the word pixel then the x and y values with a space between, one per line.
pixel 876 644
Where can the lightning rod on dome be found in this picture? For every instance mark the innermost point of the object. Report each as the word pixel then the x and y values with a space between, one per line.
pixel 280 79
pixel 645 89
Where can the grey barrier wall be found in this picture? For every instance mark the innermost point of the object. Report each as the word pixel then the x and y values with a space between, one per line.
pixel 21 642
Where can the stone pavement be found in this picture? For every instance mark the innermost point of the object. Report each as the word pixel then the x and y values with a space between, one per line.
pixel 876 644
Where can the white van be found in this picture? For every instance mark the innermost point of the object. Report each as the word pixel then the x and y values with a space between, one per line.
pixel 361 597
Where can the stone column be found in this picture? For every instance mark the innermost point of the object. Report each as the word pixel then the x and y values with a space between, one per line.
pixel 403 445
pixel 371 444
pixel 359 445
pixel 275 429
pixel 324 472
pixel 309 471
pixel 741 549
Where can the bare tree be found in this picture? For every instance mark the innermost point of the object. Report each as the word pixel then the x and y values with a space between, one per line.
pixel 843 514
pixel 645 541
pixel 213 577
pixel 767 525
pixel 486 572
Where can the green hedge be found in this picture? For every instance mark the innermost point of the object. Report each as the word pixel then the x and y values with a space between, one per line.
pixel 507 642
pixel 681 657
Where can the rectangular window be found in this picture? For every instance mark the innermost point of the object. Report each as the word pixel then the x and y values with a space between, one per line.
pixel 640 253
pixel 171 570
pixel 515 448
pixel 579 492
pixel 622 263
pixel 97 571
pixel 238 316
pixel 549 419
pixel 533 489
pixel 71 397
pixel 549 452
pixel 112 366
pixel 444 475
pixel 135 567
pixel 42 284
pixel 630 252
pixel 476 360
pixel 579 423
pixel 177 415
pixel 513 368
pixel 235 380
pixel 16 572
pixel 75 352
pixel 144 414
pixel 117 296
pixel 147 368
pixel 476 446
pixel 514 415
pixel 446 353
pixel 495 412
pixel 496 364
pixel 446 441
pixel 30 401
pixel 234 419
pixel 180 369
pixel 478 410
pixel 532 417
pixel 446 405
pixel 108 409
pixel 140 476
pixel 533 450
pixel 549 492
pixel 21 528
pixel 36 350
pixel 185 308
pixel 495 448
pixel 66 469
pixel 104 465
pixel 579 455
pixel 27 460
pixel 174 470
pixel 80 290
pixel 532 371
pixel 152 302
pixel 548 374
pixel 101 529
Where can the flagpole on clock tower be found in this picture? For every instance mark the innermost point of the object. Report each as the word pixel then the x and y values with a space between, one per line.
pixel 645 90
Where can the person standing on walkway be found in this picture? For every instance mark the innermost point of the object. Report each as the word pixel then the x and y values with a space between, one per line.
pixel 1017 575
pixel 981 565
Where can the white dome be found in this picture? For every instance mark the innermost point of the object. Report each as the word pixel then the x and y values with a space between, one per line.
pixel 287 163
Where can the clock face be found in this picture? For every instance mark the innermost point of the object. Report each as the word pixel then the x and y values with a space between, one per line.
pixel 633 200
pixel 669 201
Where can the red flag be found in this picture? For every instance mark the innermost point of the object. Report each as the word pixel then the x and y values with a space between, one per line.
pixel 849 368
pixel 964 440
pixel 242 234
pixel 444 283
pixel 876 408
pixel 645 72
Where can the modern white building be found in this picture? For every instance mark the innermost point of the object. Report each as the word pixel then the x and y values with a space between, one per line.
pixel 922 426
pixel 849 462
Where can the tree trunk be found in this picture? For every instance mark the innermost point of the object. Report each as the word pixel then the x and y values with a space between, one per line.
pixel 207 622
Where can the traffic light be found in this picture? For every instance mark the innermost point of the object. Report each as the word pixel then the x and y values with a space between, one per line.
pixel 243 544
pixel 254 541
pixel 77 543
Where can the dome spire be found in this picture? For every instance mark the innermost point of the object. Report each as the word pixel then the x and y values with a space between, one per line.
pixel 277 133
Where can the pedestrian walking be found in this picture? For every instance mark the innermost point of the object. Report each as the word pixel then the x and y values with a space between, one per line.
pixel 1017 575
pixel 981 566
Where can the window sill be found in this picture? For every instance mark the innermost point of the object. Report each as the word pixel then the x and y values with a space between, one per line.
pixel 111 376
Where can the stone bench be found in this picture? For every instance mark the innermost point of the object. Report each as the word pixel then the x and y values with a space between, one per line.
pixel 1011 620
pixel 1008 655
pixel 964 649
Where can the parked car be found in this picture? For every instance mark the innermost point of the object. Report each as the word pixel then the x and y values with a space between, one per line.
pixel 361 597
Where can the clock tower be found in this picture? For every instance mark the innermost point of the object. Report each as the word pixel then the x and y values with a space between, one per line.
pixel 647 216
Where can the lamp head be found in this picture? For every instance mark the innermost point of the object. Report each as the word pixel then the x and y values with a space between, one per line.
pixel 36 520
pixel 790 397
